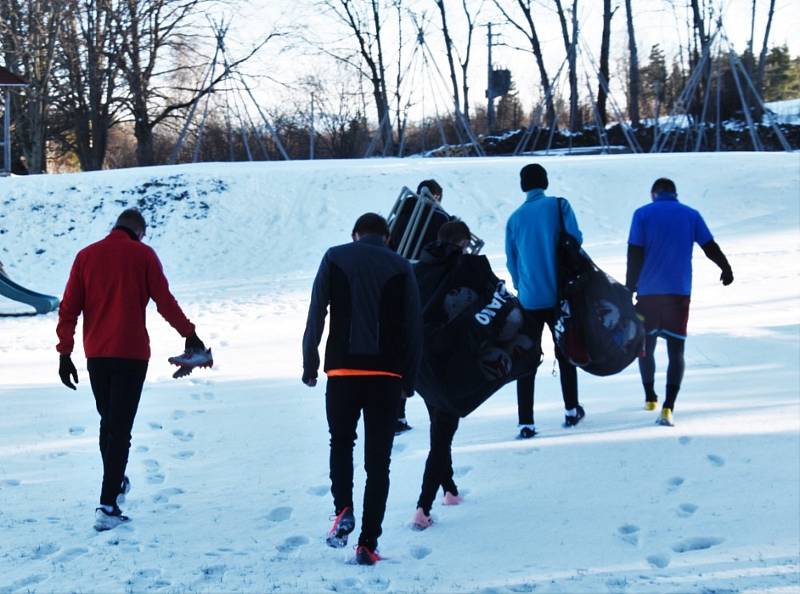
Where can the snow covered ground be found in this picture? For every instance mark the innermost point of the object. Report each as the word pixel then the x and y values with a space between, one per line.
pixel 229 467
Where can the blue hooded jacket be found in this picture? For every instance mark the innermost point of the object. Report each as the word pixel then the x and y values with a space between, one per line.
pixel 531 239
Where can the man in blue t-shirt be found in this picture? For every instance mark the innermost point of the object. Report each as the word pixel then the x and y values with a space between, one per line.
pixel 662 236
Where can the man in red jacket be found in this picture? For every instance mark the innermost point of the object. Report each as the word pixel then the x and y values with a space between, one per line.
pixel 111 282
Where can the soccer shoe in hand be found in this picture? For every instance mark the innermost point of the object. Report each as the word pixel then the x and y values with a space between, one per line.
pixel 193 358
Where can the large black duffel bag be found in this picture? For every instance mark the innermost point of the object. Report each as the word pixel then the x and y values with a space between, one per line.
pixel 597 327
pixel 482 345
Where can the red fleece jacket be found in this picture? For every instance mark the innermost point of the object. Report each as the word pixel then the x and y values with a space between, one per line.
pixel 111 282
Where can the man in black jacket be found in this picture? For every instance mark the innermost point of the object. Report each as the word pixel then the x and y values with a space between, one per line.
pixel 440 261
pixel 371 359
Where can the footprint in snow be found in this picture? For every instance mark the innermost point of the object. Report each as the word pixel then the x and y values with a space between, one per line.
pixel 659 560
pixel 164 494
pixel 77 430
pixel 213 572
pixel 11 483
pixel 183 435
pixel 184 455
pixel 462 470
pixel 420 552
pixel 686 509
pixel 142 449
pixel 178 414
pixel 629 533
pixel 522 587
pixel 292 543
pixel 675 482
pixel 715 460
pixel 697 543
pixel 280 514
pixel 155 425
pixel 44 550
pixel 398 447
pixel 24 584
pixel 617 584
pixel 346 585
pixel 146 579
pixel 319 490
pixel 684 440
pixel 71 554
pixel 155 478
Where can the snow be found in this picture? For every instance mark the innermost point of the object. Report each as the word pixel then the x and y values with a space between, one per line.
pixel 788 111
pixel 229 466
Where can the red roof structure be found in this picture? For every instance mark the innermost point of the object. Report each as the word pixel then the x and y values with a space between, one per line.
pixel 9 79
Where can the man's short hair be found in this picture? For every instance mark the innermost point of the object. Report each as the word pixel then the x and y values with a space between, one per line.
pixel 132 219
pixel 454 232
pixel 371 223
pixel 663 184
pixel 432 185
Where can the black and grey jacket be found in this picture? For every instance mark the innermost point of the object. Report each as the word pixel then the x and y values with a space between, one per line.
pixel 375 313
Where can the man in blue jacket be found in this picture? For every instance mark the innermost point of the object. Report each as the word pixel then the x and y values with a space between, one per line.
pixel 531 239
pixel 659 270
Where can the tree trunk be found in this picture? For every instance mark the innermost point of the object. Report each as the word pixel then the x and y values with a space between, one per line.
pixel 762 58
pixel 570 45
pixel 604 52
pixel 633 80
pixel 448 44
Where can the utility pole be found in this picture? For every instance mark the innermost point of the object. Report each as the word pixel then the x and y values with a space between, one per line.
pixel 311 137
pixel 490 85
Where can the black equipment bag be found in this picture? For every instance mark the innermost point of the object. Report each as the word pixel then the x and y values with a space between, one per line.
pixel 481 343
pixel 597 327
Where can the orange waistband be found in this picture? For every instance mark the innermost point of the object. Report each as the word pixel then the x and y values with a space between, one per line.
pixel 360 372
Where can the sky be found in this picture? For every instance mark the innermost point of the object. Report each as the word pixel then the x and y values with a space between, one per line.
pixel 281 65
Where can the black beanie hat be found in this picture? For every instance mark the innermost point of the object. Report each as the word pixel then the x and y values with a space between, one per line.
pixel 532 177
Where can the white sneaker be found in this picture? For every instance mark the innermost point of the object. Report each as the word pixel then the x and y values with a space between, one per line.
pixel 193 358
pixel 105 520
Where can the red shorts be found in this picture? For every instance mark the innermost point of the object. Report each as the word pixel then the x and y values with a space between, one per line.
pixel 664 315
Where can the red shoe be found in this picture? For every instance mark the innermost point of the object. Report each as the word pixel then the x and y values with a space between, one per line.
pixel 367 556
pixel 343 525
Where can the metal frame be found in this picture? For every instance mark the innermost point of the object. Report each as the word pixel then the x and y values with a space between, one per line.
pixel 410 244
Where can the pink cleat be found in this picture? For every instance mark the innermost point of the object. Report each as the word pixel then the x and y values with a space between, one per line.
pixel 451 499
pixel 421 520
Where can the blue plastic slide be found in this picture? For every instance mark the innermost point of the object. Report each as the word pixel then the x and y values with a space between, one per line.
pixel 41 303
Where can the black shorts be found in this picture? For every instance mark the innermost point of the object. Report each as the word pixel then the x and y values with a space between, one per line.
pixel 665 315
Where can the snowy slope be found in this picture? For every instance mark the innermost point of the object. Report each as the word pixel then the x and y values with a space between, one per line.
pixel 230 467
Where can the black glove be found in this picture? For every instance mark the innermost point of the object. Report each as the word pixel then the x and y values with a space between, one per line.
pixel 194 343
pixel 66 370
pixel 310 378
pixel 726 277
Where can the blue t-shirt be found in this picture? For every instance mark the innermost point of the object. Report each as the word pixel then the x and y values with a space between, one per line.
pixel 667 230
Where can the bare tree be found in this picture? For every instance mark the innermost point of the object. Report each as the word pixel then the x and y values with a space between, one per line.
pixel 633 78
pixel 363 19
pixel 464 61
pixel 762 58
pixel 571 46
pixel 529 31
pixel 604 52
pixel 86 80
pixel 448 44
pixel 29 31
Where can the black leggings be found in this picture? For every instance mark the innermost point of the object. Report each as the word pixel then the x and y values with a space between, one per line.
pixel 675 368
pixel 439 465
pixel 117 386
pixel 568 373
pixel 379 398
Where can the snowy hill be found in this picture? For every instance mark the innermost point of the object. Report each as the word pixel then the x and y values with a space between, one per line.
pixel 229 468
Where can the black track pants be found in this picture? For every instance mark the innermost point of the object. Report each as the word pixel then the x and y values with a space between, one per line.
pixel 568 373
pixel 117 386
pixel 379 398
pixel 439 465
